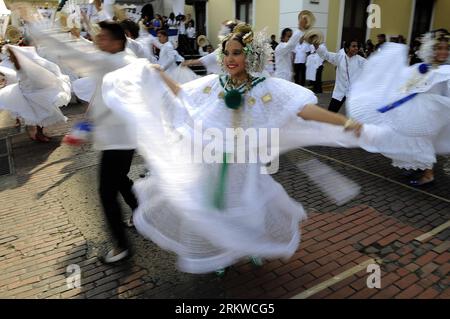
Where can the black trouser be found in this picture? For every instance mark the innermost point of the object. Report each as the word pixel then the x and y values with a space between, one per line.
pixel 335 105
pixel 300 73
pixel 183 44
pixel 114 168
pixel 317 84
pixel 191 42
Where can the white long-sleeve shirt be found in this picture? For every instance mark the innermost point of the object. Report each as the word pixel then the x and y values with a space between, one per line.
pixel 111 132
pixel 313 63
pixel 136 47
pixel 190 32
pixel 168 56
pixel 147 42
pixel 283 57
pixel 300 52
pixel 181 28
pixel 347 71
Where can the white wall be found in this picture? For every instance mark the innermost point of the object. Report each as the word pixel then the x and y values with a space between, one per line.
pixel 177 6
pixel 172 6
pixel 289 10
pixel 159 6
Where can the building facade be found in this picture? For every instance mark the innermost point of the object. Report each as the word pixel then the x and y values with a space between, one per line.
pixel 337 19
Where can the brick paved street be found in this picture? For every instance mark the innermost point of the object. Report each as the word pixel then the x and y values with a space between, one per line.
pixel 50 218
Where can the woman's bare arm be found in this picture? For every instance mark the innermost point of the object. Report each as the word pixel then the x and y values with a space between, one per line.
pixel 313 112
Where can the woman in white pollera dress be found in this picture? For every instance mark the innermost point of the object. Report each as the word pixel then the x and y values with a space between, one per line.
pixel 40 92
pixel 214 213
pixel 412 103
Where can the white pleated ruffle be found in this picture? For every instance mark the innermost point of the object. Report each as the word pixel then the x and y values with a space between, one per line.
pixel 418 124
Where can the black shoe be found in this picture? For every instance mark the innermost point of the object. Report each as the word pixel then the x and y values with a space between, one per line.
pixel 421 182
pixel 109 258
pixel 408 173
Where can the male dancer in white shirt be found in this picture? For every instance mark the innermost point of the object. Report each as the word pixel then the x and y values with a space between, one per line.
pixel 283 52
pixel 116 141
pixel 168 56
pixel 301 50
pixel 349 66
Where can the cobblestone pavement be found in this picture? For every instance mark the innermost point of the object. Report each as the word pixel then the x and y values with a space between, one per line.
pixel 50 218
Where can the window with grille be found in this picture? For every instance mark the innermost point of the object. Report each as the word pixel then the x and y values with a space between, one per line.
pixel 422 17
pixel 244 11
pixel 355 17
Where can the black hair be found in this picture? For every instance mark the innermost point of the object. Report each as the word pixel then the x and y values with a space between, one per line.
pixel 116 31
pixel 285 32
pixel 347 44
pixel 442 35
pixel 236 37
pixel 163 32
pixel 130 26
pixel 231 25
pixel 172 16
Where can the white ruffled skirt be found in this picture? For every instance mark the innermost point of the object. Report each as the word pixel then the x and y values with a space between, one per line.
pixel 416 131
pixel 44 113
pixel 259 218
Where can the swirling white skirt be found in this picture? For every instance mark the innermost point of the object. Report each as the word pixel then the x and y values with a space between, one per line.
pixel 259 219
pixel 416 131
pixel 41 111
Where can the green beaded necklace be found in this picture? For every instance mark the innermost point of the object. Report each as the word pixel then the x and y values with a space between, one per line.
pixel 233 96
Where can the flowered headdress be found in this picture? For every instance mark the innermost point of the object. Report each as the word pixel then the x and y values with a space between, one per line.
pixel 256 48
pixel 429 42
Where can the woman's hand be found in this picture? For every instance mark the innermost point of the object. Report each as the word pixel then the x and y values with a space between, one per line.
pixel 173 86
pixel 156 67
pixel 352 125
